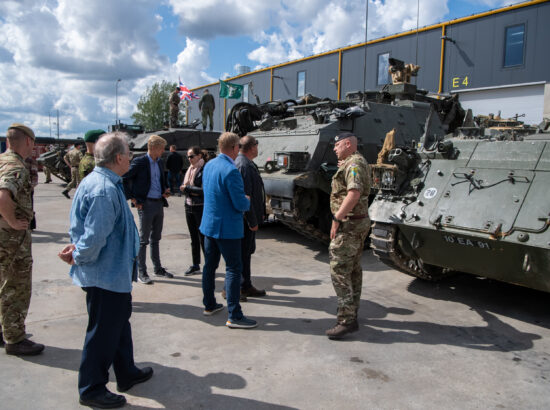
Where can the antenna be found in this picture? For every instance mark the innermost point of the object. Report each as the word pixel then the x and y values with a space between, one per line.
pixel 366 31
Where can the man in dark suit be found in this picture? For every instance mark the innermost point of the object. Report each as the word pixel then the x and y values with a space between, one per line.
pixel 145 186
pixel 222 227
pixel 254 188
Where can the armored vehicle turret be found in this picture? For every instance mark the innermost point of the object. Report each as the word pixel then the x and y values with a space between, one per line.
pixel 296 158
pixel 479 205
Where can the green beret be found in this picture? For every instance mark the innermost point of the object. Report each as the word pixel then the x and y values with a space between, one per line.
pixel 93 135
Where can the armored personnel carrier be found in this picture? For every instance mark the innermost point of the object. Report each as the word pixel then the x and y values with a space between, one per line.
pixel 295 152
pixel 476 204
pixel 182 138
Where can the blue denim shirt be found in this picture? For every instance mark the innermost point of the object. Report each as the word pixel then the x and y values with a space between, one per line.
pixel 155 191
pixel 104 233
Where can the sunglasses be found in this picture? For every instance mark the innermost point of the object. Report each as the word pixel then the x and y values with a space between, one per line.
pixel 191 156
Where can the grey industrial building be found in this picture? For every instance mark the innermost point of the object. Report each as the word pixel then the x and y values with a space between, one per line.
pixel 497 61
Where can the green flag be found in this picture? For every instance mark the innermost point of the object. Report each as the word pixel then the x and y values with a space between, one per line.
pixel 229 90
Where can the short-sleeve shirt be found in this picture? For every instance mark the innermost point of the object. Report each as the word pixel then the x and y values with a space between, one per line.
pixel 353 173
pixel 15 177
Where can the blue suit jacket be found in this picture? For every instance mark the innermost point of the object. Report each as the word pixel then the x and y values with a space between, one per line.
pixel 137 181
pixel 224 200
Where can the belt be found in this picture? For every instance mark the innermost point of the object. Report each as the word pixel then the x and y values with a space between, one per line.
pixel 154 199
pixel 358 216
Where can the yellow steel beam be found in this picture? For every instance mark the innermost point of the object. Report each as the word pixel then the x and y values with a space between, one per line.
pixel 339 73
pixel 442 61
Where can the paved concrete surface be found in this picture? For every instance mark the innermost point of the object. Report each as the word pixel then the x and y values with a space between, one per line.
pixel 465 343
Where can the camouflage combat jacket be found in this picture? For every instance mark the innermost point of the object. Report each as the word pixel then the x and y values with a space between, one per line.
pixel 353 173
pixel 87 164
pixel 174 98
pixel 73 157
pixel 15 177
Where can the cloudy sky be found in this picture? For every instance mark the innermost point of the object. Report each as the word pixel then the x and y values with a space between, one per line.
pixel 66 55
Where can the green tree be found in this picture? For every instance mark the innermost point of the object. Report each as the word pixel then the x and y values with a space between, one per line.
pixel 153 108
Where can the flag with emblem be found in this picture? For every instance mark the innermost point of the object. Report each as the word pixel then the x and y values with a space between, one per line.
pixel 186 94
pixel 230 90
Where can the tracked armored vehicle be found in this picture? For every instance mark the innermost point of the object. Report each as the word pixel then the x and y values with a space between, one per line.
pixel 182 138
pixel 476 204
pixel 295 152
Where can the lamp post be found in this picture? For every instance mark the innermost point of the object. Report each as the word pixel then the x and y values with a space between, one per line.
pixel 116 102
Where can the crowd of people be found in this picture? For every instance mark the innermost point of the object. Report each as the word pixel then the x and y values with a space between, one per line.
pixel 224 207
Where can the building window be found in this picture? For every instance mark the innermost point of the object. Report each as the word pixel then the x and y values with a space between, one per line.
pixel 514 45
pixel 245 93
pixel 383 67
pixel 301 83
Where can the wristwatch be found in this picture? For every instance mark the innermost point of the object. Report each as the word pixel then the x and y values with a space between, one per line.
pixel 337 220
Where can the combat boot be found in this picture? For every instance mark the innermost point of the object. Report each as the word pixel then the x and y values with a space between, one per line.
pixel 25 347
pixel 66 194
pixel 342 329
pixel 1 339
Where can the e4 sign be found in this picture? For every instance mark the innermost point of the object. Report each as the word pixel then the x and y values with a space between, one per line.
pixel 460 82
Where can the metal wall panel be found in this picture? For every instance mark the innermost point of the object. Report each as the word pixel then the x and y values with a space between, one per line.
pixel 476 58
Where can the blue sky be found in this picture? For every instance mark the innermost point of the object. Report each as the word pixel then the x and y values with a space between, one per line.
pixel 67 54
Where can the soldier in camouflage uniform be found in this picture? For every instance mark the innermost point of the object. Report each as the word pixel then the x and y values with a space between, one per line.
pixel 72 159
pixel 87 163
pixel 174 107
pixel 15 241
pixel 349 206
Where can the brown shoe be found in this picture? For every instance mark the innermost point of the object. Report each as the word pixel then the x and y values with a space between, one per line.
pixel 25 347
pixel 252 292
pixel 242 297
pixel 342 329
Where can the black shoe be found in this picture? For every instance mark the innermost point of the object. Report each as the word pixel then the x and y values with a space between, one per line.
pixel 66 194
pixel 107 400
pixel 192 270
pixel 25 347
pixel 2 344
pixel 163 272
pixel 144 374
pixel 144 278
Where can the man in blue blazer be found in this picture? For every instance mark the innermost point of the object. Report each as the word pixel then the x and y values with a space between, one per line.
pixel 145 186
pixel 222 227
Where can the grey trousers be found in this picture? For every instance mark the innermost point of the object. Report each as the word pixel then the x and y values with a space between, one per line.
pixel 151 218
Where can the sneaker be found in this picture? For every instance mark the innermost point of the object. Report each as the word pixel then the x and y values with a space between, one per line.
pixel 25 347
pixel 342 329
pixel 164 272
pixel 253 292
pixel 216 309
pixel 192 270
pixel 242 323
pixel 242 297
pixel 144 278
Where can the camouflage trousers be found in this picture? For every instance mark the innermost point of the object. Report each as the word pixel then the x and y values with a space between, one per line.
pixel 174 113
pixel 48 174
pixel 75 179
pixel 207 114
pixel 15 282
pixel 345 252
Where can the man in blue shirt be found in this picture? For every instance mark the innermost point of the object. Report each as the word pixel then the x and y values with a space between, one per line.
pixel 222 227
pixel 102 255
pixel 145 186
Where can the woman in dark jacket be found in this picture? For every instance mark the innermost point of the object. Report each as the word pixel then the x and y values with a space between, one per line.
pixel 194 203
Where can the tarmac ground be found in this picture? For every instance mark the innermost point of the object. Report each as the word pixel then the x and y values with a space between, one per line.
pixel 464 343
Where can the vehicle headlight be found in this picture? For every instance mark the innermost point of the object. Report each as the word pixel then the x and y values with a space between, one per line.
pixel 388 178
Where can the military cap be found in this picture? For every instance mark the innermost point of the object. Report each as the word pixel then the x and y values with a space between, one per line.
pixel 23 128
pixel 343 136
pixel 93 135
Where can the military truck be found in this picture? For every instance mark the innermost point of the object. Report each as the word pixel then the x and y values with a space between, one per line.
pixel 472 202
pixel 295 152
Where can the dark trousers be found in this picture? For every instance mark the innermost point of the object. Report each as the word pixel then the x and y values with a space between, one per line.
pixel 108 341
pixel 231 251
pixel 248 247
pixel 174 180
pixel 151 219
pixel 193 215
